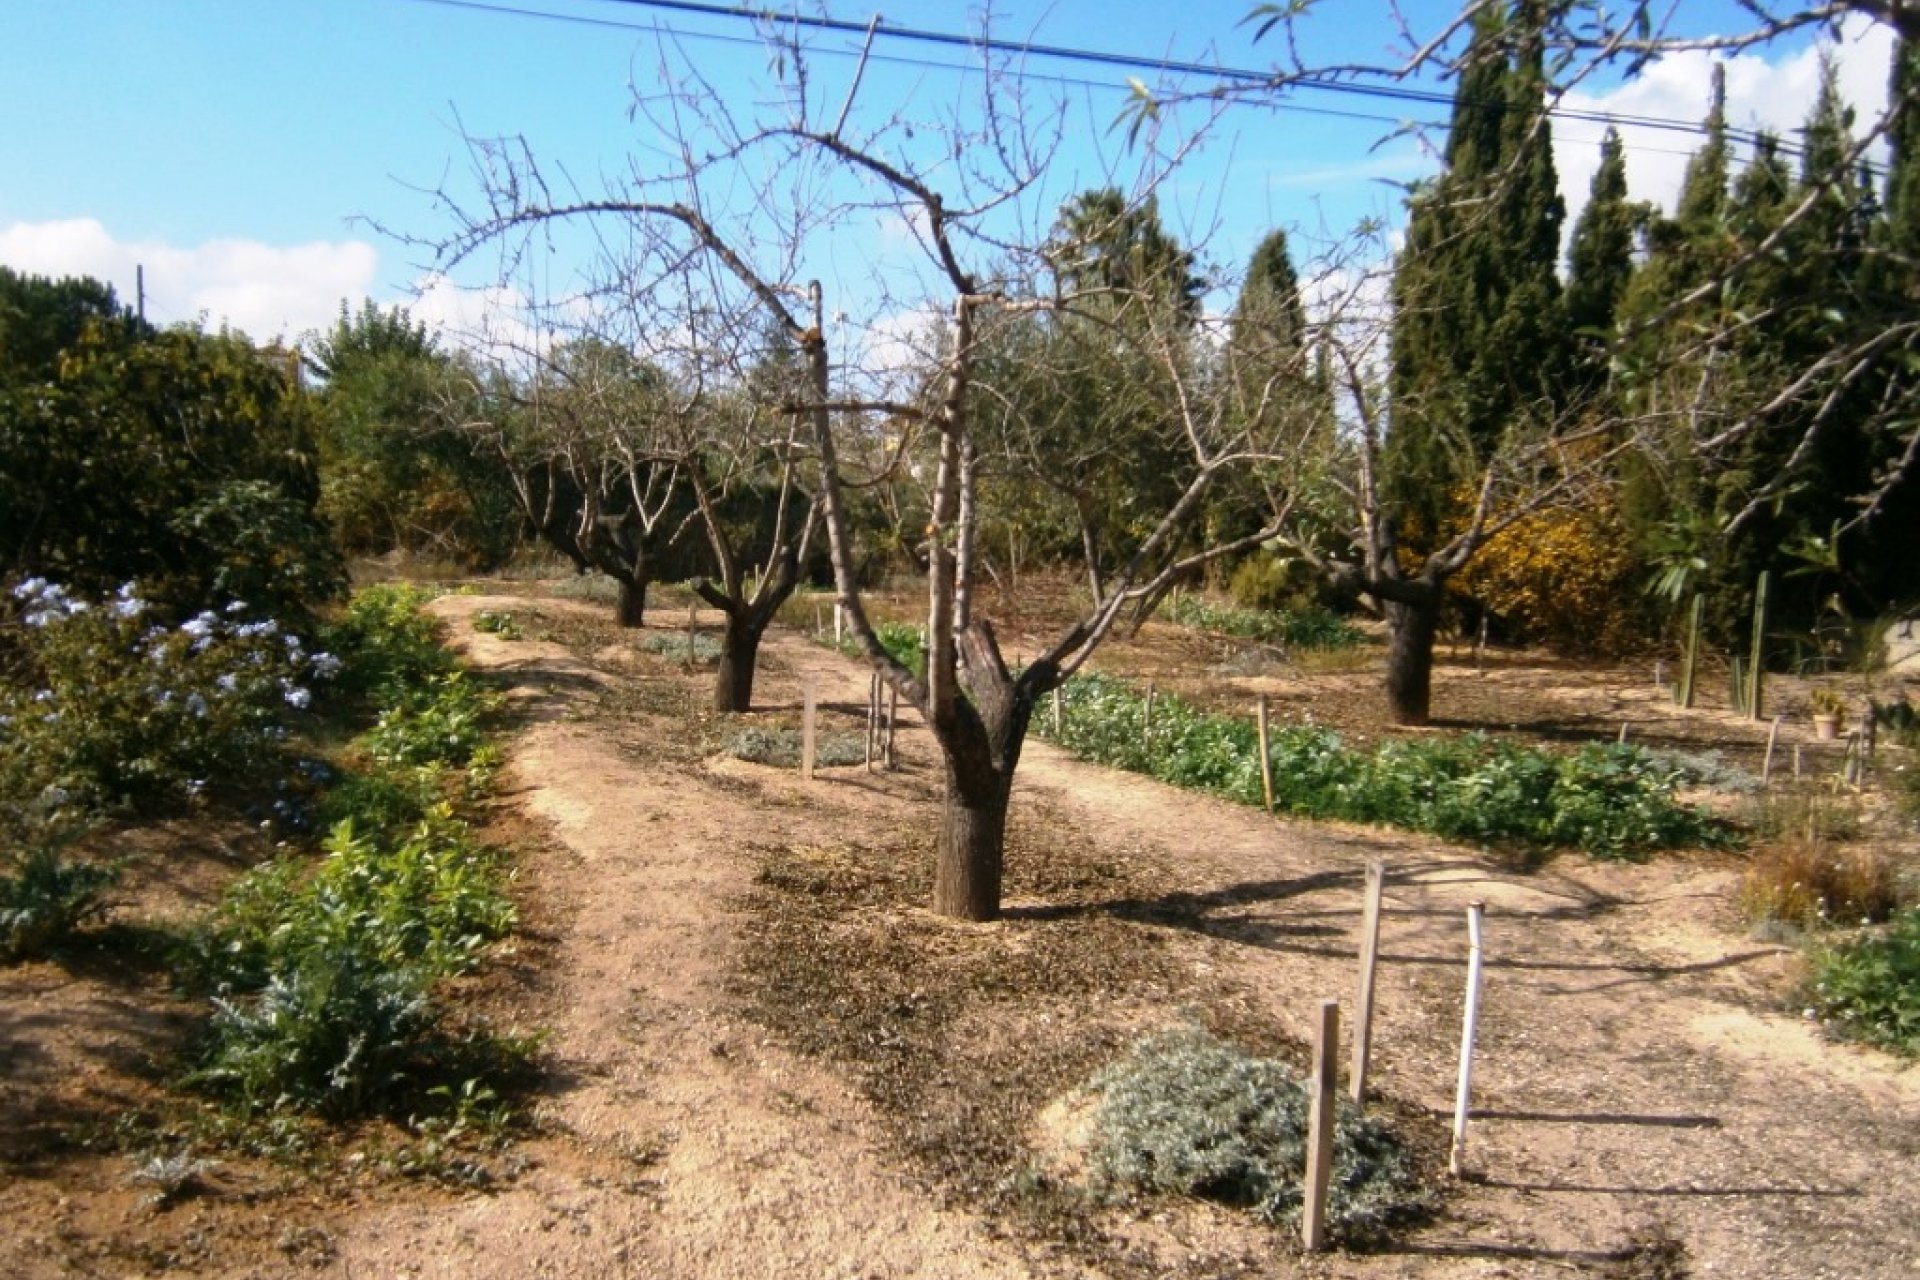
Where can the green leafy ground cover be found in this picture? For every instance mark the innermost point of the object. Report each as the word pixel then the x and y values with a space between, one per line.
pixel 1292 628
pixel 1610 800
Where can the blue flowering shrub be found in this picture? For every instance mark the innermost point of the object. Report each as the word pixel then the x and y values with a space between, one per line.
pixel 121 709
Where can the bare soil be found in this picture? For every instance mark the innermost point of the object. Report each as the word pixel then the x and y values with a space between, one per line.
pixel 766 1058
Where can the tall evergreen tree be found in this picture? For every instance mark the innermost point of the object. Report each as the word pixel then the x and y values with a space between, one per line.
pixel 1479 327
pixel 1105 242
pixel 1479 349
pixel 1600 263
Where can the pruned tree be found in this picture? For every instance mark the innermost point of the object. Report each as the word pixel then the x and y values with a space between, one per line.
pixel 586 437
pixel 973 206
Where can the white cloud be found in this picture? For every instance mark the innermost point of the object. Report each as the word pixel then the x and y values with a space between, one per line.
pixel 1774 96
pixel 265 290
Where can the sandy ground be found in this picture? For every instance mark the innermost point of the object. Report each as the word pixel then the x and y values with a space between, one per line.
pixel 1636 1079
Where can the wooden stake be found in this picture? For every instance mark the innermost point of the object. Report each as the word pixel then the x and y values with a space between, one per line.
pixel 1796 760
pixel 839 623
pixel 806 735
pixel 1146 720
pixel 1756 695
pixel 1058 721
pixel 690 630
pixel 1766 766
pixel 893 714
pixel 1469 1025
pixel 873 716
pixel 1659 674
pixel 1623 733
pixel 1266 756
pixel 1369 958
pixel 1320 1110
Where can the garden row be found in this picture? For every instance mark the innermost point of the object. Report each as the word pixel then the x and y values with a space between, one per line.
pixel 321 976
pixel 1610 800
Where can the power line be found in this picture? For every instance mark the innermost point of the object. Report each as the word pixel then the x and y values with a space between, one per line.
pixel 1136 62
pixel 1096 57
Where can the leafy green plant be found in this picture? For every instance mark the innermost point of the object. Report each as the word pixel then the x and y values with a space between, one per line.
pixel 44 895
pixel 1612 800
pixel 441 721
pixel 1867 987
pixel 1187 1114
pixel 496 623
pixel 325 974
pixel 901 640
pixel 1305 628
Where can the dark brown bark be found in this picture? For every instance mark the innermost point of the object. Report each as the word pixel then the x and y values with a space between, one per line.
pixel 631 611
pixel 980 747
pixel 739 657
pixel 1411 627
pixel 973 840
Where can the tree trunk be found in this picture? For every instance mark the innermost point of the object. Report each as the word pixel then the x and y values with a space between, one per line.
pixel 973 839
pixel 739 655
pixel 980 747
pixel 1410 632
pixel 632 609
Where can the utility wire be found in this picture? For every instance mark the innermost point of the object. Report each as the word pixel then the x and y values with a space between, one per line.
pixel 1096 57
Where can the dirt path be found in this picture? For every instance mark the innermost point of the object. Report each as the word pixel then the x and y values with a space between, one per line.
pixel 1627 1082
pixel 1643 1109
pixel 1631 1084
pixel 690 1147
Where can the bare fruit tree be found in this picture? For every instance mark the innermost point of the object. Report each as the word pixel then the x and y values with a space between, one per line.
pixel 583 433
pixel 732 216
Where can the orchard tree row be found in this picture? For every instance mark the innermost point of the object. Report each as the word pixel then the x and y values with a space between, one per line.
pixel 1029 378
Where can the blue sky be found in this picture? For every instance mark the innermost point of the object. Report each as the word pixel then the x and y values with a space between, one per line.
pixel 238 148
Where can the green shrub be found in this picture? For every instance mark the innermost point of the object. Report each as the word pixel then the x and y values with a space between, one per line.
pixel 325 974
pixel 1867 988
pixel 673 644
pixel 1612 800
pixel 783 747
pixel 116 708
pixel 389 648
pixel 1187 1114
pixel 44 895
pixel 1269 582
pixel 1297 628
pixel 901 640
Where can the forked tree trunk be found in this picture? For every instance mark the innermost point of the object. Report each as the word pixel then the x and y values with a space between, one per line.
pixel 739 656
pixel 980 750
pixel 1410 633
pixel 631 611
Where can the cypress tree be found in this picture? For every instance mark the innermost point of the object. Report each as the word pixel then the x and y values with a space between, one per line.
pixel 1600 263
pixel 1479 322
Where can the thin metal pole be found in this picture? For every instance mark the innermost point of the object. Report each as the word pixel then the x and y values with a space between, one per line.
pixel 1469 1025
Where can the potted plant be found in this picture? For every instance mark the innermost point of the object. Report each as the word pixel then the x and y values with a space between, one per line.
pixel 1827 706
